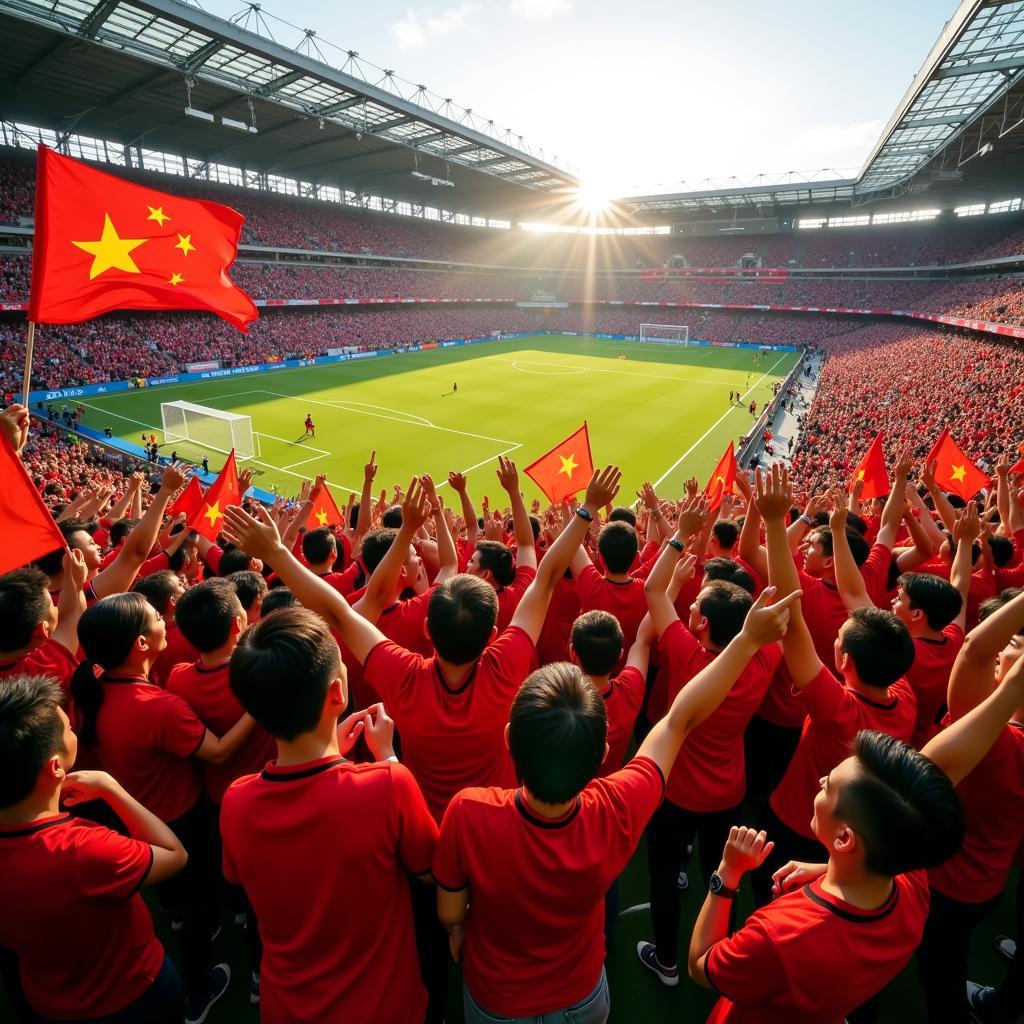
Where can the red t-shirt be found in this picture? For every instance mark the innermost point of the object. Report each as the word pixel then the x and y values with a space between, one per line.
pixel 622 700
pixel 564 609
pixel 993 801
pixel 710 771
pixel 929 679
pixel 146 738
pixel 810 958
pixel 177 652
pixel 73 917
pixel 875 572
pixel 323 851
pixel 510 596
pixel 452 737
pixel 835 714
pixel 207 692
pixel 534 933
pixel 624 600
pixel 51 658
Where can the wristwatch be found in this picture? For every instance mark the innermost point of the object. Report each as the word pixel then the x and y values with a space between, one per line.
pixel 584 514
pixel 718 888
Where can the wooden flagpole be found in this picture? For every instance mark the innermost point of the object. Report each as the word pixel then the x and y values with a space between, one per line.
pixel 26 377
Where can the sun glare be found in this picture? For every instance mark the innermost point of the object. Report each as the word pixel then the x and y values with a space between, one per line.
pixel 593 198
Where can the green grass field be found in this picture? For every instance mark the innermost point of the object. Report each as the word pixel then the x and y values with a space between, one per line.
pixel 662 413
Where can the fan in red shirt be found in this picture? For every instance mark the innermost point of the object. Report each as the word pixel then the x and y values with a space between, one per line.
pixel 317 834
pixel 163 590
pixel 538 859
pixel 63 876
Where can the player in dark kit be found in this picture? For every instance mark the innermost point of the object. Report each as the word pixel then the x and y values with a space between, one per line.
pixel 309 425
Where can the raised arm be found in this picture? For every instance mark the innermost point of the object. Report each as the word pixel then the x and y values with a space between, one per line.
pixel 365 515
pixel 657 525
pixel 946 511
pixel 446 554
pixel 640 653
pixel 750 540
pixel 217 749
pixel 892 514
pixel 1003 491
pixel 925 520
pixel 508 477
pixel 848 577
pixel 14 425
pixel 457 482
pixel 71 603
pixel 966 531
pixel 120 507
pixel 659 604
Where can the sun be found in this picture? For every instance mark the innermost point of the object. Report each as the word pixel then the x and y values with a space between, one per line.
pixel 593 197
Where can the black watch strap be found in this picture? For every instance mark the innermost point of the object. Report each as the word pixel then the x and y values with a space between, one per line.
pixel 718 888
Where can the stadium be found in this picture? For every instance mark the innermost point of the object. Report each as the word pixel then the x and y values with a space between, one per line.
pixel 425 296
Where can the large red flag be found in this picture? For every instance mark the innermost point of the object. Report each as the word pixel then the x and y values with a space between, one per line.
pixel 723 478
pixel 1017 467
pixel 206 520
pixel 29 531
pixel 189 501
pixel 566 469
pixel 103 243
pixel 325 511
pixel 954 471
pixel 873 472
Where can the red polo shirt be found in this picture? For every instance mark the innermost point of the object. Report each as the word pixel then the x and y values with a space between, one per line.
pixel 564 609
pixel 177 652
pixel 323 851
pixel 510 596
pixel 51 658
pixel 624 600
pixel 622 700
pixel 73 917
pixel 534 933
pixel 810 958
pixel 929 679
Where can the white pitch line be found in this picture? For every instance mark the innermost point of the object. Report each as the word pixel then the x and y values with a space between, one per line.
pixel 598 369
pixel 483 462
pixel 284 440
pixel 302 462
pixel 717 423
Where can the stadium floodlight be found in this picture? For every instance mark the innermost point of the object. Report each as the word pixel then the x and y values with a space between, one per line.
pixel 239 126
pixel 200 115
pixel 438 182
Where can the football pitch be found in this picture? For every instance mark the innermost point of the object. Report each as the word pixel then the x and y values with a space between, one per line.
pixel 662 413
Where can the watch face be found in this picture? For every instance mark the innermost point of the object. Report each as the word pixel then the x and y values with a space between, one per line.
pixel 716 883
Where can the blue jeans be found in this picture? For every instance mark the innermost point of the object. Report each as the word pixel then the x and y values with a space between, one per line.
pixel 591 1010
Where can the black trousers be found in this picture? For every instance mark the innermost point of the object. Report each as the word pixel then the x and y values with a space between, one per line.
pixel 432 948
pixel 670 830
pixel 1006 1002
pixel 768 749
pixel 942 956
pixel 789 845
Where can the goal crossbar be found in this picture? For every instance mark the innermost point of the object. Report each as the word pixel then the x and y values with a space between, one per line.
pixel 665 334
pixel 215 429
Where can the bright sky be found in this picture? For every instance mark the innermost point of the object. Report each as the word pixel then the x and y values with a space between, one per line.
pixel 640 97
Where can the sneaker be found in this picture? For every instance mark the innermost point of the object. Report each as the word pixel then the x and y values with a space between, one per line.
pixel 177 924
pixel 254 988
pixel 1006 947
pixel 197 1010
pixel 649 958
pixel 975 994
pixel 683 881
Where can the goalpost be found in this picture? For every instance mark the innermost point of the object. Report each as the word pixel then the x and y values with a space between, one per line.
pixel 209 428
pixel 665 334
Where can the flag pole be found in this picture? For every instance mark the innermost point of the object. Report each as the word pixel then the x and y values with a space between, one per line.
pixel 26 377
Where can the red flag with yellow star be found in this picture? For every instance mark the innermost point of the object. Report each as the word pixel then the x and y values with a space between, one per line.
pixel 103 243
pixel 954 472
pixel 566 469
pixel 872 471
pixel 189 501
pixel 723 478
pixel 208 519
pixel 325 511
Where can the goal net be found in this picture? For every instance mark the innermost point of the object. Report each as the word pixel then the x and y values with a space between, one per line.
pixel 665 334
pixel 208 428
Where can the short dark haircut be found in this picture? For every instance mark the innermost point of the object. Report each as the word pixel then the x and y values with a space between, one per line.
pixel 854 521
pixel 993 604
pixel 859 547
pixel 376 544
pixel 725 606
pixel 597 640
pixel 622 514
pixel 158 589
pixel 205 613
pixel 727 570
pixel 249 586
pixel 120 530
pixel 618 545
pixel 879 645
pixel 276 600
pixel 281 671
pixel 461 615
pixel 233 560
pixel 24 604
pixel 937 598
pixel 392 518
pixel 956 501
pixel 31 732
pixel 1001 548
pixel 319 546
pixel 726 533
pixel 902 806
pixel 496 558
pixel 558 728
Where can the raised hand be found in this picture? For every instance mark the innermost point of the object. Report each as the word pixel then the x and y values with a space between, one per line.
pixel 793 874
pixel 838 516
pixel 692 488
pixel 14 423
pixel 603 486
pixel 904 464
pixel 81 787
pixel 370 469
pixel 967 528
pixel 245 480
pixel 766 623
pixel 684 570
pixel 318 486
pixel 508 475
pixel 427 483
pixel 76 572
pixel 648 497
pixel 257 537
pixel 774 493
pixel 416 505
pixel 693 517
pixel 457 482
pixel 745 850
pixel 173 477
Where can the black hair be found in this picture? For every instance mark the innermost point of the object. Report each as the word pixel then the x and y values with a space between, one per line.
pixel 158 589
pixel 282 668
pixel 993 604
pixel 622 514
pixel 597 640
pixel 728 571
pixel 233 560
pixel 975 549
pixel 859 547
pixel 854 522
pixel 319 546
pixel 205 613
pixel 879 645
pixel 353 516
pixel 276 600
pixel 24 603
pixel 461 615
pixel 376 544
pixel 107 632
pixel 726 533
pixel 120 530
pixel 618 545
pixel 497 559
pixel 956 501
pixel 392 518
pixel 558 729
pixel 1001 548
pixel 249 586
pixel 31 732
pixel 937 598
pixel 901 805
pixel 725 606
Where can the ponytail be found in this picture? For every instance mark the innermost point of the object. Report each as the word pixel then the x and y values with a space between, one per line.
pixel 87 694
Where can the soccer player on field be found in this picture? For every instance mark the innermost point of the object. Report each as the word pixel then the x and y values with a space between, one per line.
pixel 309 425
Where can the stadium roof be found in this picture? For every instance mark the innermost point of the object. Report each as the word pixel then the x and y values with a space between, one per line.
pixel 961 106
pixel 125 72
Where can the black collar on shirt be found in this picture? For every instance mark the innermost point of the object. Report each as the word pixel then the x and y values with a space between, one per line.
pixel 874 703
pixel 106 678
pixel 301 773
pixel 38 826
pixel 866 917
pixel 533 819
pixel 454 690
pixel 937 641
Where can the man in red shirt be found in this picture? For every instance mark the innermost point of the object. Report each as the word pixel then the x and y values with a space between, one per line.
pixel 538 859
pixel 162 590
pixel 316 840
pixel 61 875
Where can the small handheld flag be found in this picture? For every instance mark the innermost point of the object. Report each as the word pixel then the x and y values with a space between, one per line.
pixel 566 469
pixel 28 528
pixel 208 518
pixel 872 472
pixel 723 478
pixel 954 471
pixel 325 511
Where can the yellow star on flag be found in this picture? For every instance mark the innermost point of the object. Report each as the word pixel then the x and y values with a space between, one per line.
pixel 176 278
pixel 959 472
pixel 111 252
pixel 568 465
pixel 720 477
pixel 157 213
pixel 322 517
pixel 185 244
pixel 213 513
pixel 860 474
